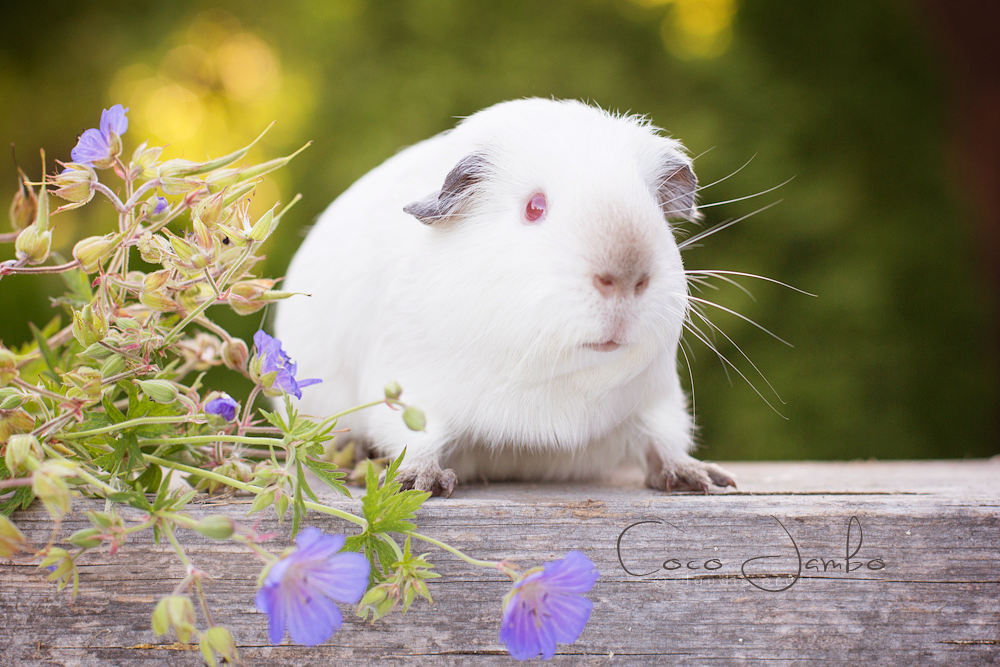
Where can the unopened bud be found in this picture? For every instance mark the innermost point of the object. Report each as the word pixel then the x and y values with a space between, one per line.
pixel 393 390
pixel 161 391
pixel 143 159
pixel 75 184
pixel 263 227
pixel 8 366
pixel 22 448
pixel 48 485
pixel 87 538
pixel 24 206
pixel 217 527
pixel 218 639
pixel 235 354
pixel 33 245
pixel 212 210
pixel 174 611
pixel 174 176
pixel 115 143
pixel 85 383
pixel 89 325
pixel 414 419
pixel 11 538
pixel 90 252
pixel 153 249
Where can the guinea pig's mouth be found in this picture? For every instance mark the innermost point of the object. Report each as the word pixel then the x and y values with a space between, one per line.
pixel 606 346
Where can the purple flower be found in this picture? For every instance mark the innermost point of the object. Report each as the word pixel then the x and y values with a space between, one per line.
pixel 300 589
pixel 224 406
pixel 161 205
pixel 273 359
pixel 547 606
pixel 94 147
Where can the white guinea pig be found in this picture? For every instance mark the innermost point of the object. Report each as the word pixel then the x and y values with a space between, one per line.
pixel 517 276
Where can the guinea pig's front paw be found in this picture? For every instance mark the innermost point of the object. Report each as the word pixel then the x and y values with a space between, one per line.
pixel 687 475
pixel 428 477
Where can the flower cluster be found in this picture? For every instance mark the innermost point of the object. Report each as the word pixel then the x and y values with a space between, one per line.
pixel 112 401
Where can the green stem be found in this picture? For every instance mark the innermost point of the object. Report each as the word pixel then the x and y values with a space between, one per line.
pixel 177 547
pixel 332 418
pixel 209 439
pixel 347 516
pixel 129 423
pixel 208 302
pixel 450 549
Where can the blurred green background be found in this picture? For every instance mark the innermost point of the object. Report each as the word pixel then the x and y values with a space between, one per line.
pixel 896 357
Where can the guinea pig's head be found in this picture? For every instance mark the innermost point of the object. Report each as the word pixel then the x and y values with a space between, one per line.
pixel 552 238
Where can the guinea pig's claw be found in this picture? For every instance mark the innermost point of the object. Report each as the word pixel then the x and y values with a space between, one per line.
pixel 688 475
pixel 429 477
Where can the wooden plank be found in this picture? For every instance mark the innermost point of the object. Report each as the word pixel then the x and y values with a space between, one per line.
pixel 813 563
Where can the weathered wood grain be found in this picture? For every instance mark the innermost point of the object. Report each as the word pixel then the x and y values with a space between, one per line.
pixel 754 577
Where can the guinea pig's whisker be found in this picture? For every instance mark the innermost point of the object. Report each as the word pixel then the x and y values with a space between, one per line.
pixel 727 177
pixel 745 197
pixel 685 348
pixel 742 317
pixel 715 327
pixel 691 328
pixel 721 275
pixel 723 225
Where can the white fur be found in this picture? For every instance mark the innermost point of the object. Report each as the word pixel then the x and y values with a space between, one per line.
pixel 483 318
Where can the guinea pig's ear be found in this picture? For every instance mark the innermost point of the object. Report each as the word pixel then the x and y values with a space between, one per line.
pixel 459 186
pixel 676 187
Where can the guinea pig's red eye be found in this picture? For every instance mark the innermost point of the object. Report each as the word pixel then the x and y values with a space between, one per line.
pixel 535 210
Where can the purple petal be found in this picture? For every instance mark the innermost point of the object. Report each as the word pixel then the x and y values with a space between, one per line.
pixel 223 406
pixel 519 632
pixel 306 383
pixel 314 543
pixel 114 120
pixel 343 578
pixel 567 616
pixel 313 619
pixel 573 574
pixel 266 601
pixel 260 339
pixel 91 147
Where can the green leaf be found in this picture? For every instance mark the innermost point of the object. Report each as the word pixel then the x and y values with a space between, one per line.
pixel 43 346
pixel 19 500
pixel 78 283
pixel 151 479
pixel 133 498
pixel 329 474
pixel 113 413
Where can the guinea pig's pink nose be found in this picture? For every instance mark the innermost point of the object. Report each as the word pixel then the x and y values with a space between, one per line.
pixel 611 285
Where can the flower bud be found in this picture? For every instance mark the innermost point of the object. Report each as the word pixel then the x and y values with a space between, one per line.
pixel 23 451
pixel 264 227
pixel 91 251
pixel 414 419
pixel 87 538
pixel 161 391
pixel 75 184
pixel 11 538
pixel 89 325
pixel 11 398
pixel 211 211
pixel 217 527
pixel 393 390
pixel 8 366
pixel 112 366
pixel 33 245
pixel 263 499
pixel 235 354
pixel 153 249
pixel 175 611
pixel 23 207
pixel 48 485
pixel 173 175
pixel 61 567
pixel 155 208
pixel 144 159
pixel 84 383
pixel 218 639
pixel 14 420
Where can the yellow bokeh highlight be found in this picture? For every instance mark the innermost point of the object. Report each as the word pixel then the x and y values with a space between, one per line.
pixel 213 89
pixel 695 29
